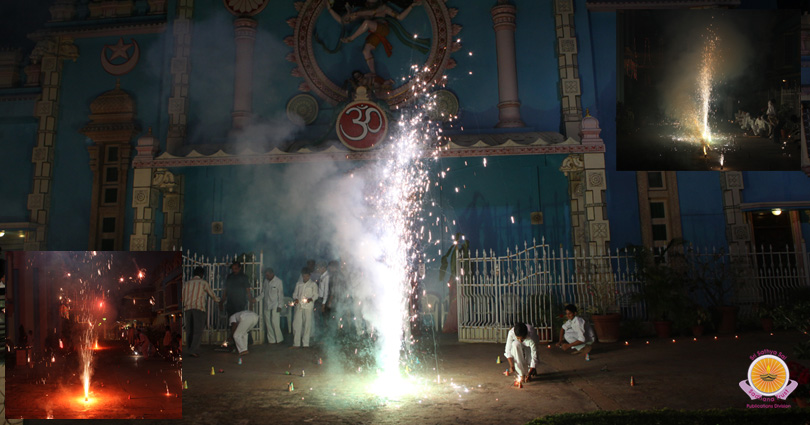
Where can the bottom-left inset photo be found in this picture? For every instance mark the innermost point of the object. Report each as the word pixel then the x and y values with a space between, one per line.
pixel 93 335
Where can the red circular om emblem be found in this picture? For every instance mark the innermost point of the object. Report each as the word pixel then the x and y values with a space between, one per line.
pixel 361 125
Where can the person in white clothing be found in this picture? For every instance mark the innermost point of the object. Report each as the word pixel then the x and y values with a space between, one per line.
pixel 273 298
pixel 241 323
pixel 576 332
pixel 306 292
pixel 521 351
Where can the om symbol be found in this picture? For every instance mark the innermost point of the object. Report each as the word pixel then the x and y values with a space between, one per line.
pixel 361 126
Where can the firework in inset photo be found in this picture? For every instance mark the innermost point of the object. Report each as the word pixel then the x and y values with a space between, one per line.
pixel 93 335
pixel 708 90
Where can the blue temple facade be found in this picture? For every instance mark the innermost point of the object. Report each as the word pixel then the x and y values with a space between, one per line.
pixel 169 124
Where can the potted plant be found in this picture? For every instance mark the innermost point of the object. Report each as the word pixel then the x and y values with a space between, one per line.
pixel 716 278
pixel 796 316
pixel 604 310
pixel 799 373
pixel 765 313
pixel 662 288
pixel 699 318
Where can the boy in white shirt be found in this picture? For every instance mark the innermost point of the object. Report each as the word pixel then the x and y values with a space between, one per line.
pixel 577 333
pixel 521 351
pixel 306 292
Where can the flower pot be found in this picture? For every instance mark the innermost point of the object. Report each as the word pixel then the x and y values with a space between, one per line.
pixel 663 328
pixel 767 324
pixel 697 330
pixel 606 326
pixel 728 319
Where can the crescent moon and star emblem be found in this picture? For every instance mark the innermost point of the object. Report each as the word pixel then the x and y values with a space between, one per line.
pixel 114 64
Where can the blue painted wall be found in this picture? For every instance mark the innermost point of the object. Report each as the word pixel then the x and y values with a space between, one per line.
pixel 701 198
pixel 18 135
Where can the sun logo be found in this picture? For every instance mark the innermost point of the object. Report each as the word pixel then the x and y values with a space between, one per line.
pixel 768 375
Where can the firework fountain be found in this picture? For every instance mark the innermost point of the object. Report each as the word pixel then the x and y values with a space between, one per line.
pixel 86 356
pixel 402 176
pixel 705 82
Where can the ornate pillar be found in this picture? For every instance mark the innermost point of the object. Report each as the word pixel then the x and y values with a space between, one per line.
pixel 171 187
pixel 573 167
pixel 738 235
pixel 595 187
pixel 587 184
pixel 245 37
pixel 49 53
pixel 144 197
pixel 180 70
pixel 570 89
pixel 503 20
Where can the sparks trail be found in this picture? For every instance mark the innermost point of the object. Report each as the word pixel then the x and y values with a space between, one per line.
pixel 705 83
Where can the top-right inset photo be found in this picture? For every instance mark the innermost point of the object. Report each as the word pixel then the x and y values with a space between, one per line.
pixel 702 90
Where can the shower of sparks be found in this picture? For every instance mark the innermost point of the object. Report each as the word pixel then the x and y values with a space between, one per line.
pixel 403 181
pixel 86 355
pixel 705 82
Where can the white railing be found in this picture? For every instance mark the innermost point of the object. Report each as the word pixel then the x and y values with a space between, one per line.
pixel 528 285
pixel 216 272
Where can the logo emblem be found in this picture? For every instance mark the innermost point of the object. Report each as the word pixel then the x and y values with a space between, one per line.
pixel 362 124
pixel 768 376
pixel 120 50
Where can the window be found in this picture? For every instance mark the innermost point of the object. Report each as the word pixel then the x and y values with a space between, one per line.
pixel 112 175
pixel 655 179
pixel 112 153
pixel 108 244
pixel 659 232
pixel 110 195
pixel 108 225
pixel 657 210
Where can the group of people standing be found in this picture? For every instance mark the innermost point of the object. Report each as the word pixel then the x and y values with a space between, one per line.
pixel 312 300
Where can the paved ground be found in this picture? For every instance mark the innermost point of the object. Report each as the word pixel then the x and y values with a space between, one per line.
pixel 686 374
pixel 123 386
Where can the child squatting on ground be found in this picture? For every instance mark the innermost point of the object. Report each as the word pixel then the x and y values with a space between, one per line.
pixel 521 351
pixel 576 332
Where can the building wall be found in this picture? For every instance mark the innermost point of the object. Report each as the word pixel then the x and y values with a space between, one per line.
pixel 18 130
pixel 702 220
pixel 82 82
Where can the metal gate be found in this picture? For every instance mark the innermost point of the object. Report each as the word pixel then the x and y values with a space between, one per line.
pixel 494 292
pixel 216 271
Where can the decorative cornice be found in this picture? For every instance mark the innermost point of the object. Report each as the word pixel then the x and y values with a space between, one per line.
pixel 458 146
pixel 117 29
pixel 13 95
pixel 611 5
pixel 789 205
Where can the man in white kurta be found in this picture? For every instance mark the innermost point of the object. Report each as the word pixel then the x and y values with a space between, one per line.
pixel 521 350
pixel 306 292
pixel 577 333
pixel 273 298
pixel 241 323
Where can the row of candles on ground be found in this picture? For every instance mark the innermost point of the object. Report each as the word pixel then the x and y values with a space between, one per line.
pixel 673 340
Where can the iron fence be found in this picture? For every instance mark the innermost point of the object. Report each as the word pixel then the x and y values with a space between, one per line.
pixel 534 283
